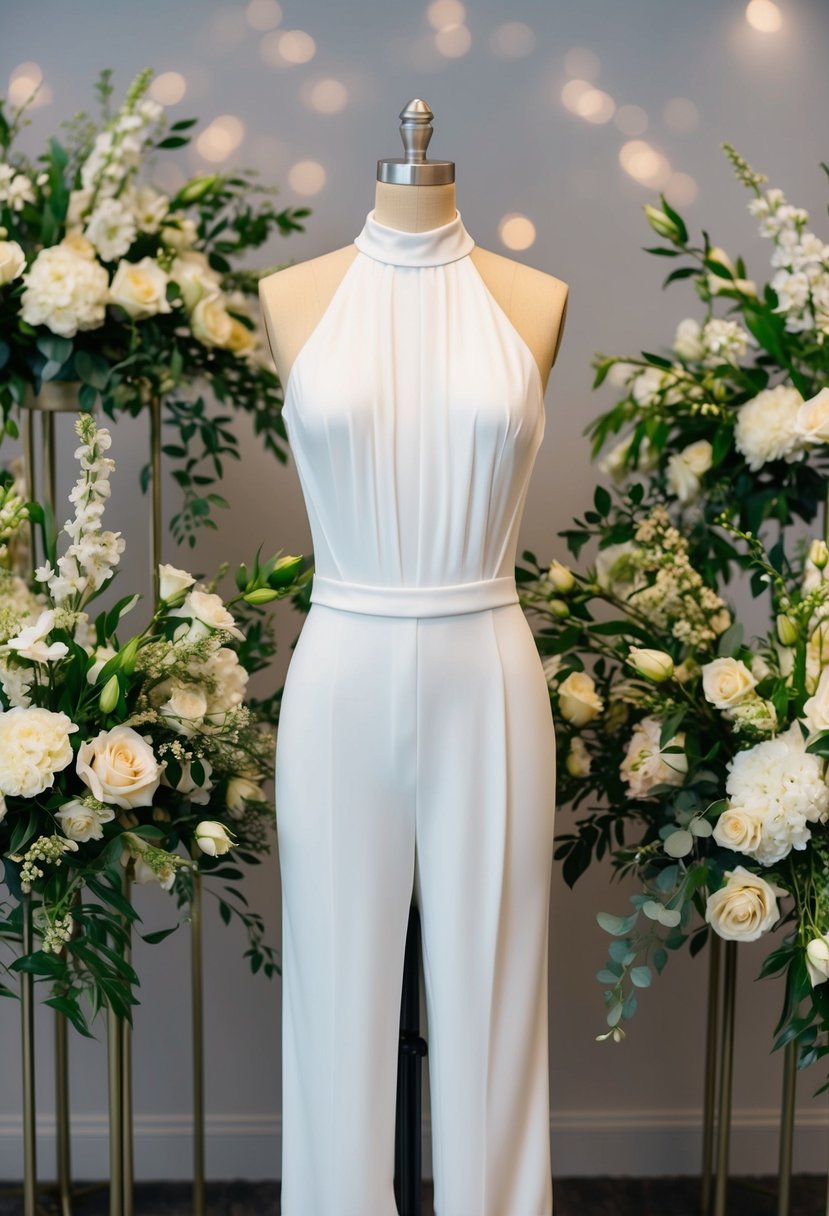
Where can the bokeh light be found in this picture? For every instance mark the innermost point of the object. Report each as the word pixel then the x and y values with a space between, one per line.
pixel 631 120
pixel 297 46
pixel 595 106
pixel 168 88
pixel 263 14
pixel 24 79
pixel 306 177
pixel 644 164
pixel 446 14
pixel 681 189
pixel 453 41
pixel 764 15
pixel 326 96
pixel 583 63
pixel 680 115
pixel 573 92
pixel 516 231
pixel 512 40
pixel 221 138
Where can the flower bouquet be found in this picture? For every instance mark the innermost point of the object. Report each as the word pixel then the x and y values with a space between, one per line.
pixel 116 751
pixel 132 295
pixel 698 757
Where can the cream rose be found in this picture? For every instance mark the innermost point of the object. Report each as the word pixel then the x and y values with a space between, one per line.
pixel 207 613
pixel 647 765
pixel 726 682
pixel 210 321
pixel 140 288
pixel 34 746
pixel 817 960
pixel 81 822
pixel 578 760
pixel 239 789
pixel 745 908
pixel 119 767
pixel 685 469
pixel 12 262
pixel 816 709
pixel 813 418
pixel 185 708
pixel 561 577
pixel 213 838
pixel 195 276
pixel 654 665
pixel 578 700
pixel 739 829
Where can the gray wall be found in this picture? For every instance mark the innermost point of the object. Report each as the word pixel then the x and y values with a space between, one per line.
pixel 630 1108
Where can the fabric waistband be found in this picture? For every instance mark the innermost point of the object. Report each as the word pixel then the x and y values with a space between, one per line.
pixel 448 600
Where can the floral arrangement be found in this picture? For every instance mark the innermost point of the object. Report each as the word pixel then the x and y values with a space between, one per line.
pixel 694 757
pixel 116 751
pixel 132 294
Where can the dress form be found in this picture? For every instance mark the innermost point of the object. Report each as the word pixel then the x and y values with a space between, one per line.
pixel 294 299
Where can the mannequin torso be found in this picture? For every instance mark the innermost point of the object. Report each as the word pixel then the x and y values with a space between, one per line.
pixel 294 299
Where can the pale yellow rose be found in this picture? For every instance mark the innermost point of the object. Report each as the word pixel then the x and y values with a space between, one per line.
pixel 817 960
pixel 140 288
pixel 578 700
pixel 213 838
pixel 654 665
pixel 738 829
pixel 12 262
pixel 210 321
pixel 119 767
pixel 813 418
pixel 561 577
pixel 745 908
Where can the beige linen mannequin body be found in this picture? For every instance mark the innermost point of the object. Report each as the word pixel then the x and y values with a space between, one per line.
pixel 293 300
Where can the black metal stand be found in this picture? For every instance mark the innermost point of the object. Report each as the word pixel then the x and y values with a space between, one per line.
pixel 407 1140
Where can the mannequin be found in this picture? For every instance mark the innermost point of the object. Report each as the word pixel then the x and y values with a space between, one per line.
pixel 416 746
pixel 294 299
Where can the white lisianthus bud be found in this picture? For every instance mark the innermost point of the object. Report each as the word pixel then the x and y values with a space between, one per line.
pixel 213 838
pixel 172 582
pixel 561 577
pixel 578 700
pixel 786 630
pixel 109 695
pixel 654 665
pixel 559 609
pixel 819 554
pixel 817 960
pixel 661 223
pixel 578 760
pixel 685 469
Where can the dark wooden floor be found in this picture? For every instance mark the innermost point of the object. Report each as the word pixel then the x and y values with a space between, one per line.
pixel 573 1197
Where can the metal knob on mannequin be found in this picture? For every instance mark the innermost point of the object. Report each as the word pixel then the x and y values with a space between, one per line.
pixel 414 169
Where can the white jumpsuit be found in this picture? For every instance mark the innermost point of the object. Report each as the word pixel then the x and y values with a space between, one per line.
pixel 415 753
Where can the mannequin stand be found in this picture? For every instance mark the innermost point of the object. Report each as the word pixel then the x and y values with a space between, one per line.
pixel 407 1148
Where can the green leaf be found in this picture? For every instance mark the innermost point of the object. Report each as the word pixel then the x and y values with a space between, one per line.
pixel 641 976
pixel 617 925
pixel 92 369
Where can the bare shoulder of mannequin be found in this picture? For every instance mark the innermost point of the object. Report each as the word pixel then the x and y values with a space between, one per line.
pixel 534 301
pixel 294 300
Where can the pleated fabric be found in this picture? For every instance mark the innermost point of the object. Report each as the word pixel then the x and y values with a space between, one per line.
pixel 415 753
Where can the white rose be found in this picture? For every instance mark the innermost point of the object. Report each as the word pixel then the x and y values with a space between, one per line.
pixel 561 577
pixel 817 960
pixel 34 746
pixel 207 613
pixel 119 767
pixel 816 709
pixel 238 790
pixel 578 700
pixel 210 321
pixel 195 277
pixel 739 829
pixel 179 233
pixel 813 418
pixel 148 206
pixel 685 469
pixel 12 262
pixel 745 908
pixel 726 682
pixel 81 822
pixel 173 581
pixel 654 665
pixel 768 429
pixel 688 343
pixel 140 288
pixel 185 708
pixel 213 838
pixel 30 643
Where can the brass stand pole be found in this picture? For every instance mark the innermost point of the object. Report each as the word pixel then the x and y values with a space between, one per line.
pixel 64 1168
pixel 726 1073
pixel 28 1028
pixel 710 1084
pixel 784 1173
pixel 115 1062
pixel 126 1079
pixel 198 1045
pixel 31 483
pixel 47 418
pixel 155 490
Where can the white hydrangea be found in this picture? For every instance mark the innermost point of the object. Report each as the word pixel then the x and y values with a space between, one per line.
pixel 724 341
pixel 767 427
pixel 34 746
pixel 65 292
pixel 15 188
pixel 781 785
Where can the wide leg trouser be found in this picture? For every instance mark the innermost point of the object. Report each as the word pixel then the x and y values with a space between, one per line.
pixel 415 755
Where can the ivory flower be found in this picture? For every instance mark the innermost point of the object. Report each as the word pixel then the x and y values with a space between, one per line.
pixel 646 765
pixel 119 767
pixel 768 429
pixel 654 665
pixel 813 418
pixel 210 321
pixel 213 838
pixel 578 700
pixel 140 288
pixel 745 908
pixel 686 468
pixel 817 960
pixel 30 643
pixel 34 746
pixel 81 822
pixel 12 262
pixel 726 682
pixel 739 829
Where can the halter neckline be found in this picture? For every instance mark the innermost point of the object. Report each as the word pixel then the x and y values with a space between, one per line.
pixel 434 247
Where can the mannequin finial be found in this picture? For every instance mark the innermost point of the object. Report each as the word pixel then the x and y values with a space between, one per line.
pixel 414 169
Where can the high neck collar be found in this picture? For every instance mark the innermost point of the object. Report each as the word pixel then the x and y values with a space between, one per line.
pixel 434 247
